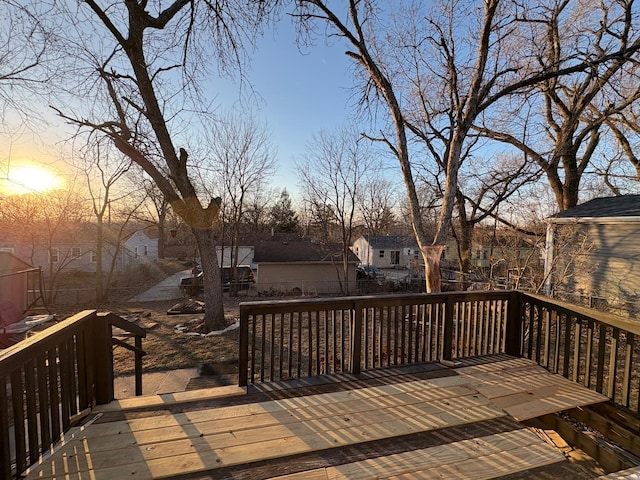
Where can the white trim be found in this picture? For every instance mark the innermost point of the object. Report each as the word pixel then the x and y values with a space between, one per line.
pixel 602 220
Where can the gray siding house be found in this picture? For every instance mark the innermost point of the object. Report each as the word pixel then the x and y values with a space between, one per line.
pixel 593 251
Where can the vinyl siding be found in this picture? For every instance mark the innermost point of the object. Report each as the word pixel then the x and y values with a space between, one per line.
pixel 610 268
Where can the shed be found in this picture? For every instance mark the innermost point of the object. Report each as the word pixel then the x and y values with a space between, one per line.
pixel 302 267
pixel 14 283
pixel 592 250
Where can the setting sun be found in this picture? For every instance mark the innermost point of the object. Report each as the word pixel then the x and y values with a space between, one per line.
pixel 29 178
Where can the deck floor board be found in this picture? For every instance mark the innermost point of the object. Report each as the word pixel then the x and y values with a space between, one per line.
pixel 170 444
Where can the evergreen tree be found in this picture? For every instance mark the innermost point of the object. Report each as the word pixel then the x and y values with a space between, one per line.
pixel 283 218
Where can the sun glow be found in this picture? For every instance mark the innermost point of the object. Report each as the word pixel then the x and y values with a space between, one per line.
pixel 29 178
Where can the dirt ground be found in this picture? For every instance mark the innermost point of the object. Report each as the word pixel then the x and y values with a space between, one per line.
pixel 168 348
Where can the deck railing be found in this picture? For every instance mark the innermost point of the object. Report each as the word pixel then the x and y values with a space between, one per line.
pixel 595 349
pixel 281 340
pixel 291 339
pixel 54 378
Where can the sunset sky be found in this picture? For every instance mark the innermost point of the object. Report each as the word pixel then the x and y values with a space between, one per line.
pixel 298 94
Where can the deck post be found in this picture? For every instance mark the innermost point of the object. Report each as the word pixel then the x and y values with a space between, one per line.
pixel 356 340
pixel 447 340
pixel 514 342
pixel 138 365
pixel 103 355
pixel 243 355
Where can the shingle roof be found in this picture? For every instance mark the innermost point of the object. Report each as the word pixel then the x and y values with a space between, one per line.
pixel 290 252
pixel 391 241
pixel 622 206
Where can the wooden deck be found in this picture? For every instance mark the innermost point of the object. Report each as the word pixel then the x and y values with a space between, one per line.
pixel 427 421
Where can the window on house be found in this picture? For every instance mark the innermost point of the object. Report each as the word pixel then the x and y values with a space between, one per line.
pixel 93 257
pixel 145 251
pixel 395 257
pixel 381 253
pixel 53 255
pixel 135 252
pixel 7 249
pixel 75 252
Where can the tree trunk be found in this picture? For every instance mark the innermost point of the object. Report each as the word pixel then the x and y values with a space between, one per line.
pixel 161 234
pixel 464 246
pixel 99 250
pixel 431 255
pixel 214 306
pixel 235 251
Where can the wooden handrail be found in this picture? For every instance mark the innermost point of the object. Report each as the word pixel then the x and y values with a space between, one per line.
pixel 139 333
pixel 51 379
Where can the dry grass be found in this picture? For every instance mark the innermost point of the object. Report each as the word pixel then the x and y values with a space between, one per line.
pixel 168 349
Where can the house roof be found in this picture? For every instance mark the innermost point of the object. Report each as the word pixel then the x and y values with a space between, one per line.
pixel 604 207
pixel 9 263
pixel 296 252
pixel 390 241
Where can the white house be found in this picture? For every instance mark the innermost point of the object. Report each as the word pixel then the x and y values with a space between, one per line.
pixel 138 249
pixel 387 251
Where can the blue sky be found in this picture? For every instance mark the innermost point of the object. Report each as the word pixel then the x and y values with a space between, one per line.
pixel 300 93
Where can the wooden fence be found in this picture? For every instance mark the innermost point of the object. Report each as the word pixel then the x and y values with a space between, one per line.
pixel 53 379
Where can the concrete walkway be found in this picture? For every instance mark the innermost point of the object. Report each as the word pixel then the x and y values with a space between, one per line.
pixel 155 383
pixel 167 289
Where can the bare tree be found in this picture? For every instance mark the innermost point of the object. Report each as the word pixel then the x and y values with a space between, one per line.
pixel 28 59
pixel 245 159
pixel 483 190
pixel 331 177
pixel 148 64
pixel 259 203
pixel 560 123
pixel 620 165
pixel 376 203
pixel 159 213
pixel 104 173
pixel 437 80
pixel 47 225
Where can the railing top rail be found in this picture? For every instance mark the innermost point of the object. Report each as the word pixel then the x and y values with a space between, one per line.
pixel 328 303
pixel 124 324
pixel 17 354
pixel 602 317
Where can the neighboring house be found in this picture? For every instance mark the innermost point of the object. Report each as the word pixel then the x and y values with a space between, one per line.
pixel 387 251
pixel 245 255
pixel 14 286
pixel 593 250
pixel 503 252
pixel 138 249
pixel 301 267
pixel 78 254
